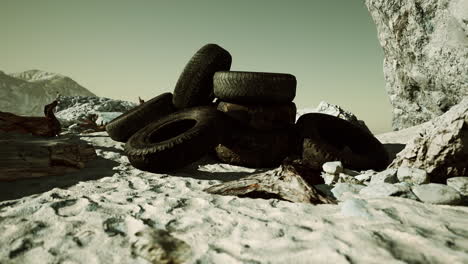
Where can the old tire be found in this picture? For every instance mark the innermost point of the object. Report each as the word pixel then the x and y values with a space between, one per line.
pixel 324 138
pixel 254 87
pixel 175 140
pixel 195 84
pixel 253 148
pixel 124 126
pixel 261 117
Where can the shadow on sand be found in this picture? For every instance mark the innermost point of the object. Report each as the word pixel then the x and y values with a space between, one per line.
pixel 95 169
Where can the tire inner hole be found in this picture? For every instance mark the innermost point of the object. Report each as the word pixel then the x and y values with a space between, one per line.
pixel 172 130
pixel 342 139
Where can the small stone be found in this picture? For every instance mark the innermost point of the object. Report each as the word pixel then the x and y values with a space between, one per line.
pixel 406 191
pixel 345 178
pixel 333 167
pixel 436 193
pixel 460 184
pixel 387 176
pixel 412 175
pixel 382 190
pixel 341 188
pixel 365 175
pixel 329 178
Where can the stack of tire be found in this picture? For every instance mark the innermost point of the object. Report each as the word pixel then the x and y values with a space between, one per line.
pixel 174 130
pixel 262 113
pixel 251 124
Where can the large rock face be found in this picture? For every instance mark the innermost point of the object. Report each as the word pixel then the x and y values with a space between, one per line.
pixel 425 43
pixel 26 93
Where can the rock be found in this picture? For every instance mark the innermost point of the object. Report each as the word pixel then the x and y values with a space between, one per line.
pixel 341 188
pixel 442 149
pixel 406 191
pixel 334 110
pixel 72 109
pixel 329 178
pixel 412 175
pixel 460 184
pixel 386 176
pixel 426 56
pixel 436 193
pixel 365 176
pixel 383 190
pixel 333 167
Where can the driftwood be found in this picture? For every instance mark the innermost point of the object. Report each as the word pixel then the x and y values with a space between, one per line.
pixel 89 123
pixel 283 183
pixel 47 126
pixel 26 156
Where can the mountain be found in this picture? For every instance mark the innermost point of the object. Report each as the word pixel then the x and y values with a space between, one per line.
pixel 26 93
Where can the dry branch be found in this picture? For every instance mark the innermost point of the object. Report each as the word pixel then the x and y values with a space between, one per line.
pixel 282 183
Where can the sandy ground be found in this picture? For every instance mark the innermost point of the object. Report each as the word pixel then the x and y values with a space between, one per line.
pixel 92 216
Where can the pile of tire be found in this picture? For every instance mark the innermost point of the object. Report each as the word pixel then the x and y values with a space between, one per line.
pixel 250 124
pixel 262 113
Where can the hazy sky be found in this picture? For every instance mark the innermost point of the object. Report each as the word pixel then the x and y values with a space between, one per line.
pixel 125 49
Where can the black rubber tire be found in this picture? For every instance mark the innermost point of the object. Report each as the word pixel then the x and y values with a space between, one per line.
pixel 175 140
pixel 324 138
pixel 124 126
pixel 261 117
pixel 254 148
pixel 195 84
pixel 254 87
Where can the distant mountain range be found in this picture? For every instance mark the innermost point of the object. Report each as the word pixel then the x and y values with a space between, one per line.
pixel 26 93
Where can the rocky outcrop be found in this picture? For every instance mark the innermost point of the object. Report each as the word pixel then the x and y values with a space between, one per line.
pixel 441 149
pixel 72 109
pixel 26 93
pixel 425 43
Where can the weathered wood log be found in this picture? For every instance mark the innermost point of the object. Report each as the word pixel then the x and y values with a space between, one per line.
pixel 26 156
pixel 47 126
pixel 282 183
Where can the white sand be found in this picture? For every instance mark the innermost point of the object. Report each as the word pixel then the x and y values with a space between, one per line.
pixel 67 224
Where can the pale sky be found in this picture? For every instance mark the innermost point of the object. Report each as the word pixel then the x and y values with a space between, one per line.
pixel 125 49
